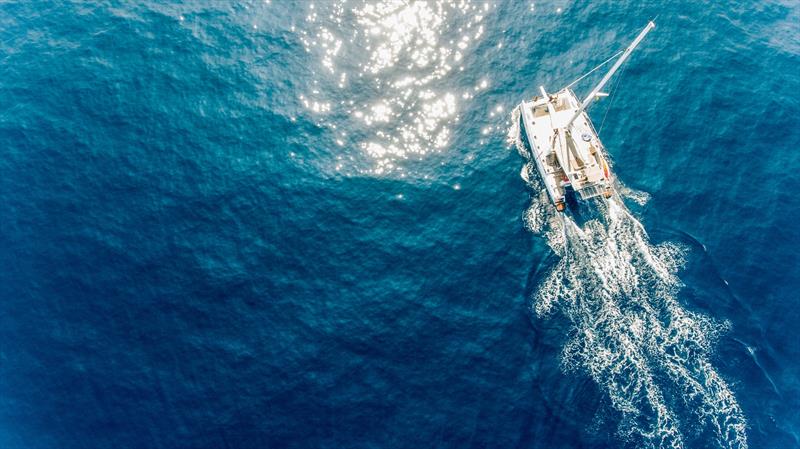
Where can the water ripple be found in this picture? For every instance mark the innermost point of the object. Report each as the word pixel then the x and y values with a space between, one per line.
pixel 391 85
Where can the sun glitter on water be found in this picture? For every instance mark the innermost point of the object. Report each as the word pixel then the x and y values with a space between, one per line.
pixel 385 68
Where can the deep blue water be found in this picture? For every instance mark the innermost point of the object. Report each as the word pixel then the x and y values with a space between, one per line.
pixel 210 238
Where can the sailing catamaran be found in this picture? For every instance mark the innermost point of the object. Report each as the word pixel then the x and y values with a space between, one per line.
pixel 563 142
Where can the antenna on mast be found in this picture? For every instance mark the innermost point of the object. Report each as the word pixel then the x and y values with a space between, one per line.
pixel 596 91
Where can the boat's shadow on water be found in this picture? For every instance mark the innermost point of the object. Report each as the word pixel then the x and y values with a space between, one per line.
pixel 584 211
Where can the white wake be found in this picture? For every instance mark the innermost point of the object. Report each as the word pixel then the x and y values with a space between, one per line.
pixel 629 332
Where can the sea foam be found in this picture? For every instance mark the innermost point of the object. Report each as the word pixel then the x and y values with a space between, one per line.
pixel 629 332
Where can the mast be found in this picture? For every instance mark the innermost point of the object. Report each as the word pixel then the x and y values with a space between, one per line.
pixel 594 93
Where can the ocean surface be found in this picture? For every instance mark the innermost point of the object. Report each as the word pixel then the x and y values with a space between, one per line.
pixel 275 224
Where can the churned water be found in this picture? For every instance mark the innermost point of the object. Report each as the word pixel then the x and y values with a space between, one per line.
pixel 312 224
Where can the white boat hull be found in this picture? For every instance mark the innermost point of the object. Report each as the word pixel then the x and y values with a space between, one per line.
pixel 565 156
pixel 564 145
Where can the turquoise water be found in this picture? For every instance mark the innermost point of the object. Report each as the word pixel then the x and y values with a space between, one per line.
pixel 277 224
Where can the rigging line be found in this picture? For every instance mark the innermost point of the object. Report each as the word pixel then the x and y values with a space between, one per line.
pixel 590 71
pixel 611 101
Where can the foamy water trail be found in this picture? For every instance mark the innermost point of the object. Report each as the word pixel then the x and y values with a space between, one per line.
pixel 630 334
